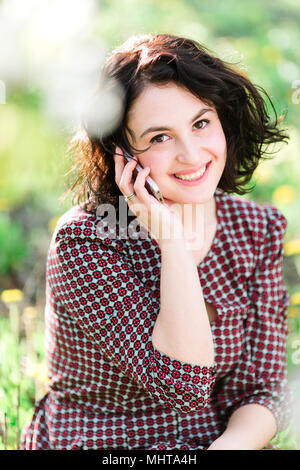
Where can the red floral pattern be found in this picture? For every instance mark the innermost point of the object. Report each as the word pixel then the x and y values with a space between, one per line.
pixel 109 387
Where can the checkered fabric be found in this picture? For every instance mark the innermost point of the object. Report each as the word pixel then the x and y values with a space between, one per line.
pixel 109 387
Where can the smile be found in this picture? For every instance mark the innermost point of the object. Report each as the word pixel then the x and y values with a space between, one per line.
pixel 196 177
pixel 192 176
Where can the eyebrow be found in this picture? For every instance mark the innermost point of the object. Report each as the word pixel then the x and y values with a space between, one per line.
pixel 163 128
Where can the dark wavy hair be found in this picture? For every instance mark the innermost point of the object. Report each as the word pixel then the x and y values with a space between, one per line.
pixel 161 59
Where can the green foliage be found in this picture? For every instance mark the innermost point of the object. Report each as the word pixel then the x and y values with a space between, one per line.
pixel 31 151
pixel 261 38
pixel 17 390
pixel 13 246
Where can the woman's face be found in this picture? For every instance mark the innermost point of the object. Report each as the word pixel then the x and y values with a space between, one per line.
pixel 185 137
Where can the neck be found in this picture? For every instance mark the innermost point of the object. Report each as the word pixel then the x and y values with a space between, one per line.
pixel 204 213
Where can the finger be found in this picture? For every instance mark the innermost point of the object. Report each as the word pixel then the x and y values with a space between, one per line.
pixel 139 185
pixel 138 204
pixel 123 172
pixel 126 183
pixel 142 191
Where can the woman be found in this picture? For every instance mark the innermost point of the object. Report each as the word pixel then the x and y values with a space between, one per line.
pixel 175 340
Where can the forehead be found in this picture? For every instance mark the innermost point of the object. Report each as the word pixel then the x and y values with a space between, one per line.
pixel 159 104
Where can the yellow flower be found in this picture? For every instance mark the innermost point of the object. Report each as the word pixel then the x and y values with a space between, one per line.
pixel 271 54
pixel 293 312
pixel 30 312
pixel 292 247
pixel 11 295
pixel 39 371
pixel 52 223
pixel 284 194
pixel 263 173
pixel 295 299
pixel 4 205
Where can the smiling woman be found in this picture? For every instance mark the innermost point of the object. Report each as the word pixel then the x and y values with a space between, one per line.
pixel 190 152
pixel 161 60
pixel 168 342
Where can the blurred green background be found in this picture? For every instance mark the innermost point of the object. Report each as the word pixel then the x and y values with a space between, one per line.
pixel 50 54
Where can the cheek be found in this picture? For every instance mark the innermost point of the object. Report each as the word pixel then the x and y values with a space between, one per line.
pixel 223 142
pixel 220 149
pixel 220 139
pixel 156 164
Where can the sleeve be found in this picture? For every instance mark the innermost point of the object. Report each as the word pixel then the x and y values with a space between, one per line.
pixel 261 374
pixel 98 287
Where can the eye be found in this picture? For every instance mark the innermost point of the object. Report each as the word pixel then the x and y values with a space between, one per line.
pixel 161 138
pixel 203 123
pixel 158 139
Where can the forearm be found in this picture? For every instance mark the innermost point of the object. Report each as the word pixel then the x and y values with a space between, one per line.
pixel 182 328
pixel 250 427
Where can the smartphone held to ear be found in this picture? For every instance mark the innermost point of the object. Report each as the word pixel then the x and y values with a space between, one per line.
pixel 150 184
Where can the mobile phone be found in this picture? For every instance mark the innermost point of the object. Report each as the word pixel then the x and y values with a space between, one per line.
pixel 150 184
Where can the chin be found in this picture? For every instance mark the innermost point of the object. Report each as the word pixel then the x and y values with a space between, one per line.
pixel 192 199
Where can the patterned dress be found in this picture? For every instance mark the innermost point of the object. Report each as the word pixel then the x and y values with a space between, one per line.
pixel 109 387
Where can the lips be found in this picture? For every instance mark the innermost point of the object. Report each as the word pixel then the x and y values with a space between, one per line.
pixel 192 176
pixel 185 180
pixel 193 170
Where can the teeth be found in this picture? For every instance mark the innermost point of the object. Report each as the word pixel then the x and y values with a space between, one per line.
pixel 192 176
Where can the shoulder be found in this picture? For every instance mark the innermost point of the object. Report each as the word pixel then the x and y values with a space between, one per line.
pixel 81 227
pixel 76 222
pixel 81 236
pixel 261 220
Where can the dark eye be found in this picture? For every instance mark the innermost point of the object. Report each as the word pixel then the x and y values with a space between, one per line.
pixel 158 139
pixel 203 123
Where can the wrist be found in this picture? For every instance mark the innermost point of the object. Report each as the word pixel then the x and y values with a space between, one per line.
pixel 178 249
pixel 228 442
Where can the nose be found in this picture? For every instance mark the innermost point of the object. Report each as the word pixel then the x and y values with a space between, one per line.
pixel 187 153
